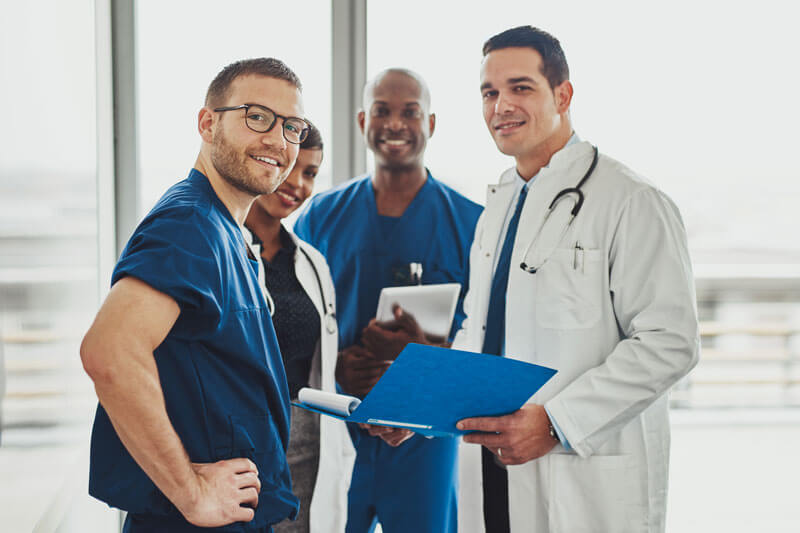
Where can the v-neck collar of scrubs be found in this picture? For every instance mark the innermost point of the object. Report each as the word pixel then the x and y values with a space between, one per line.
pixel 195 176
pixel 410 212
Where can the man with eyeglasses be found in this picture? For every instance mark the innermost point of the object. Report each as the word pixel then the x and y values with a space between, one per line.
pixel 581 265
pixel 193 418
pixel 371 229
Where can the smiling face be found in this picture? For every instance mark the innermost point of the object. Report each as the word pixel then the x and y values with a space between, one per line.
pixel 395 120
pixel 525 116
pixel 255 163
pixel 296 189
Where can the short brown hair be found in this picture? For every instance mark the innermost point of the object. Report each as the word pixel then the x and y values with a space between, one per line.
pixel 261 66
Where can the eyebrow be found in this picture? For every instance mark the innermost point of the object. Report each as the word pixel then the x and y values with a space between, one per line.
pixel 407 104
pixel 511 81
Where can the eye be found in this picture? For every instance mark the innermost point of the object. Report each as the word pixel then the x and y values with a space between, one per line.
pixel 489 94
pixel 291 127
pixel 380 112
pixel 522 88
pixel 311 174
pixel 411 113
pixel 257 117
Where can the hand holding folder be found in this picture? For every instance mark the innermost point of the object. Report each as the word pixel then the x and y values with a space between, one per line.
pixel 428 389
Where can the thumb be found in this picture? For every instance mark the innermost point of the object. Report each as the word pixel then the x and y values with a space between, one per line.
pixel 405 320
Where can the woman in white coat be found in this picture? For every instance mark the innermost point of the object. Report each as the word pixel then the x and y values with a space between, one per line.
pixel 607 301
pixel 301 291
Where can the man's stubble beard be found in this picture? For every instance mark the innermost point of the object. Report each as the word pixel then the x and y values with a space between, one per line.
pixel 232 167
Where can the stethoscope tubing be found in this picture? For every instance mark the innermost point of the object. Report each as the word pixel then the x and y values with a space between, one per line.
pixel 330 315
pixel 563 193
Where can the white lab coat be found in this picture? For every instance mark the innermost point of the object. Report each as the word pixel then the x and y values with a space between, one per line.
pixel 328 513
pixel 619 323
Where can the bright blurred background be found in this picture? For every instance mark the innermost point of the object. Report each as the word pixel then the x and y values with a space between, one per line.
pixel 699 96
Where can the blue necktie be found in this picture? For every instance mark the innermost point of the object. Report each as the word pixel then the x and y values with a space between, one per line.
pixel 496 318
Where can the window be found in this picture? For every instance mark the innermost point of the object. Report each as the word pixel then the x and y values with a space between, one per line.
pixel 182 45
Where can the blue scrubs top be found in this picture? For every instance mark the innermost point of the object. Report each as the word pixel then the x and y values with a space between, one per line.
pixel 367 252
pixel 220 366
pixel 411 487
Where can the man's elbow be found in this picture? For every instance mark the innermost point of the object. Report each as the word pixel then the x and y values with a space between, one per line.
pixel 94 357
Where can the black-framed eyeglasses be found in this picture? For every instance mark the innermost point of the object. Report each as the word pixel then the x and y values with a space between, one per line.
pixel 262 119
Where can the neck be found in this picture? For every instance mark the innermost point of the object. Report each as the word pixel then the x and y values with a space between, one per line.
pixel 529 164
pixel 396 188
pixel 235 200
pixel 267 228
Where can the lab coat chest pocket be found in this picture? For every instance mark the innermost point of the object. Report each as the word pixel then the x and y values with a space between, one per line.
pixel 594 494
pixel 569 288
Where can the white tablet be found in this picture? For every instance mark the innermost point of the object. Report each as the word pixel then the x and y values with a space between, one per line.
pixel 433 306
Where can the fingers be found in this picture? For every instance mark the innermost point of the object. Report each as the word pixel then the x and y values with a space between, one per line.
pixel 489 424
pixel 377 431
pixel 248 479
pixel 397 437
pixel 249 496
pixel 241 465
pixel 357 351
pixel 490 440
pixel 244 514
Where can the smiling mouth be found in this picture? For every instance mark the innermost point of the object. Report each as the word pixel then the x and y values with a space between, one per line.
pixel 267 160
pixel 395 142
pixel 287 197
pixel 508 125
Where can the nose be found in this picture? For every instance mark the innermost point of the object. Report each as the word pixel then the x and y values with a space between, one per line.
pixel 274 137
pixel 395 122
pixel 293 180
pixel 503 105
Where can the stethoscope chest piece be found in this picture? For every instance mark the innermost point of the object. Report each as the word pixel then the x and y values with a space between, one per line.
pixel 330 323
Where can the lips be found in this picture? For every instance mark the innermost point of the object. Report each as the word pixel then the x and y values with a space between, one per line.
pixel 508 125
pixel 287 199
pixel 267 160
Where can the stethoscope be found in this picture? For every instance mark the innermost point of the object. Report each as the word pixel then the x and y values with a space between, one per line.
pixel 562 194
pixel 330 314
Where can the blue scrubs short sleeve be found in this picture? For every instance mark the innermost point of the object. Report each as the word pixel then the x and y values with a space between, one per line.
pixel 173 255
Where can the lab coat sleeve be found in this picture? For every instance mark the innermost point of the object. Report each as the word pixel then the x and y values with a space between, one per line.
pixel 652 293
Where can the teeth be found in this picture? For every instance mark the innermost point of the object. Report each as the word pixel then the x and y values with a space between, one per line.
pixel 395 142
pixel 288 197
pixel 508 125
pixel 268 160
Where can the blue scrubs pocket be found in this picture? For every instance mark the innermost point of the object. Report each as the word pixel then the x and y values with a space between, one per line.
pixel 256 437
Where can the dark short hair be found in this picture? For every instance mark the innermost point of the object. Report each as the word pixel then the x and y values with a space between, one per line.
pixel 314 139
pixel 554 62
pixel 261 66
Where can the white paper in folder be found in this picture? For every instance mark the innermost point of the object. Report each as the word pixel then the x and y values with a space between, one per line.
pixel 433 306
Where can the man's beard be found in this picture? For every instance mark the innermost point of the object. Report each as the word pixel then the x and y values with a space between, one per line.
pixel 232 166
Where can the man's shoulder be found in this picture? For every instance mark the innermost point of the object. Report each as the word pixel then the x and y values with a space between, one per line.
pixel 186 214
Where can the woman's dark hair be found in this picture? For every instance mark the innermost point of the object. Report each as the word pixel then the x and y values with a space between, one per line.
pixel 313 140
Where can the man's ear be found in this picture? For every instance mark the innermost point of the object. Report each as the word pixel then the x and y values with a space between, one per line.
pixel 361 118
pixel 431 124
pixel 563 96
pixel 205 124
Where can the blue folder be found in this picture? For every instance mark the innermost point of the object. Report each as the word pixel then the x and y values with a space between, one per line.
pixel 428 389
